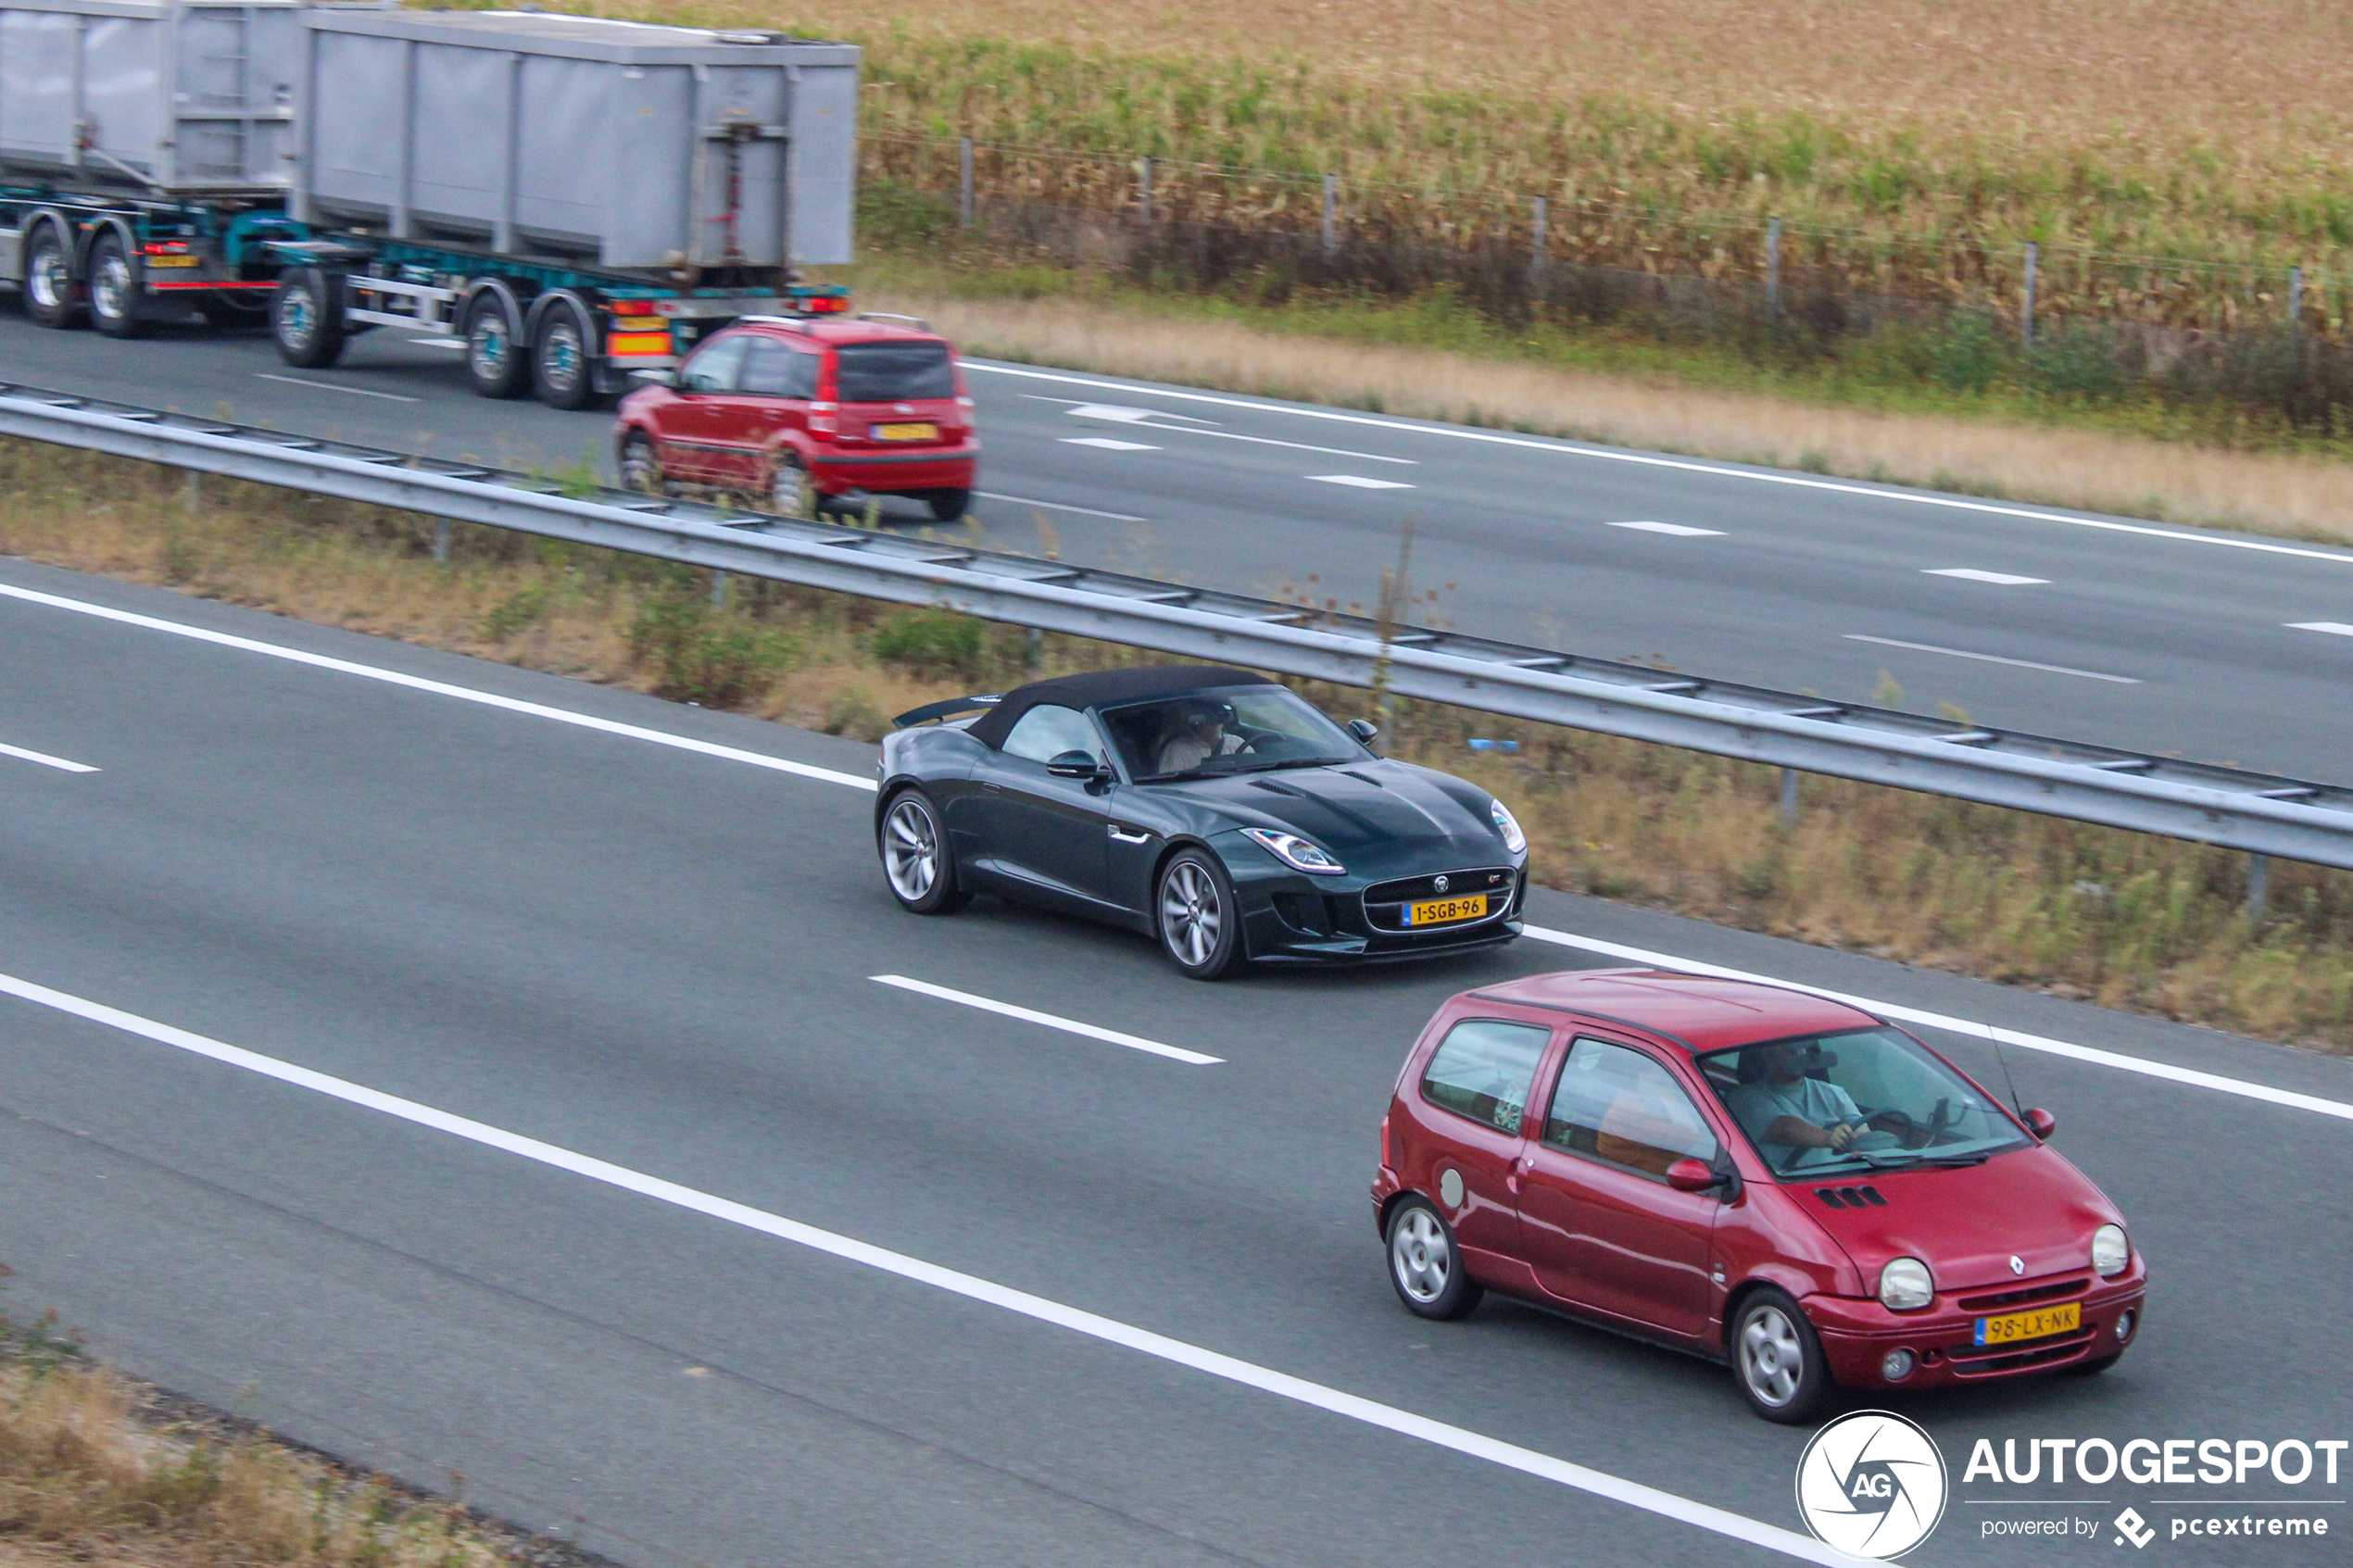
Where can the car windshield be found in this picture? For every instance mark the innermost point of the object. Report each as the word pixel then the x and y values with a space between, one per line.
pixel 1226 730
pixel 1858 1100
pixel 893 372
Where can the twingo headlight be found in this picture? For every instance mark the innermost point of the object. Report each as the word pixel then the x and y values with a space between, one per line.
pixel 1508 826
pixel 1298 854
pixel 2111 1250
pixel 1904 1285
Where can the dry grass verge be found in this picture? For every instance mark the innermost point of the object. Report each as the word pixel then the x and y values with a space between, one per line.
pixel 96 1469
pixel 2296 497
pixel 2126 919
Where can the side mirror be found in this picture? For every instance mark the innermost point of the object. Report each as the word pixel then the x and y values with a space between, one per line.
pixel 1364 729
pixel 2041 1124
pixel 1692 1176
pixel 654 377
pixel 1077 765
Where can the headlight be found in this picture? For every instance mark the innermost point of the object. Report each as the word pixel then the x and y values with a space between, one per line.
pixel 2110 1251
pixel 1508 826
pixel 1298 853
pixel 1904 1285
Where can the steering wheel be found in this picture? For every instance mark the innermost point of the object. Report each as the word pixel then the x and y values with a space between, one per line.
pixel 1903 1124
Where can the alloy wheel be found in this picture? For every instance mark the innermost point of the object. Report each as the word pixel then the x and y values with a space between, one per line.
pixel 49 280
pixel 1421 1255
pixel 1191 916
pixel 911 849
pixel 297 318
pixel 640 470
pixel 489 347
pixel 110 286
pixel 1772 1356
pixel 560 359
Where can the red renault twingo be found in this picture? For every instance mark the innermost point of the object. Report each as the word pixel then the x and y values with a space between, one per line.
pixel 1764 1176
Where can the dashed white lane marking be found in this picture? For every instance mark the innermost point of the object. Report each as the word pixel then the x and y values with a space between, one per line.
pixel 1665 961
pixel 1973 1028
pixel 1048 1020
pixel 334 386
pixel 1997 659
pixel 2339 627
pixel 21 755
pixel 1678 529
pixel 1118 413
pixel 1999 578
pixel 438 688
pixel 1359 482
pixel 1060 506
pixel 436 342
pixel 1646 459
pixel 1107 443
pixel 1039 1309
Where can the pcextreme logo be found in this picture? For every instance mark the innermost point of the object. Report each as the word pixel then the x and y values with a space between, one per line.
pixel 1871 1484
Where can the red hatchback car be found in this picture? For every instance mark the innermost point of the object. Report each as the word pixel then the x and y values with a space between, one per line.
pixel 775 402
pixel 1763 1177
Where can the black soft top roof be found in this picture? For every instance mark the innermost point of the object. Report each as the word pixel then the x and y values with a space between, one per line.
pixel 1096 687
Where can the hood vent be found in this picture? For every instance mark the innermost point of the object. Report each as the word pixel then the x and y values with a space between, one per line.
pixel 1363 778
pixel 1271 788
pixel 1851 1198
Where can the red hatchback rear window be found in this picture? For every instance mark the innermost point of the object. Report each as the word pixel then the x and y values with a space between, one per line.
pixel 893 372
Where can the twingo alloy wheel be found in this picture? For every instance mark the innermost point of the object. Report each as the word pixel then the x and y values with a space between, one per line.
pixel 1424 1265
pixel 915 859
pixel 1200 930
pixel 48 278
pixel 1777 1361
pixel 114 289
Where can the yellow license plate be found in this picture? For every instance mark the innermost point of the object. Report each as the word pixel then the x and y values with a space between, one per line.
pixel 2010 1327
pixel 175 260
pixel 1439 912
pixel 906 432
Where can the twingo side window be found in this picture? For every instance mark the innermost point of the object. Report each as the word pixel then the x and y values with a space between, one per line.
pixel 1617 1106
pixel 714 368
pixel 1482 1070
pixel 775 368
pixel 1043 734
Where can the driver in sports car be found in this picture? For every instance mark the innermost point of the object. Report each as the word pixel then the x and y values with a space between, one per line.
pixel 1197 733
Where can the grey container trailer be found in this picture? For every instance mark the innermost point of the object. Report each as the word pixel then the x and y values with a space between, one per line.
pixel 574 196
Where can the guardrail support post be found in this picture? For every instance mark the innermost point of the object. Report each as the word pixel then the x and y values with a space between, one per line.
pixel 2259 886
pixel 718 589
pixel 1773 269
pixel 192 491
pixel 2026 310
pixel 1536 247
pixel 1331 213
pixel 2296 310
pixel 441 541
pixel 965 180
pixel 1789 797
pixel 1144 190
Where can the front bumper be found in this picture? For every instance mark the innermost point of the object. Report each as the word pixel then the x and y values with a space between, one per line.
pixel 1857 1335
pixel 1291 917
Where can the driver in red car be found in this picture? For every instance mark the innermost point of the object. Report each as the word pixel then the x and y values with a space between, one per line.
pixel 1777 1103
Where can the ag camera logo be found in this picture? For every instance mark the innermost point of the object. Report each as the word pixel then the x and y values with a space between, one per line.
pixel 1871 1484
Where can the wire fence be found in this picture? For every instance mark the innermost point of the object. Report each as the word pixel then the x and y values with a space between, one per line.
pixel 1958 308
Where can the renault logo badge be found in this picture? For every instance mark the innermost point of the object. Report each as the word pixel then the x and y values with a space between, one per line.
pixel 1437 884
pixel 2018 1265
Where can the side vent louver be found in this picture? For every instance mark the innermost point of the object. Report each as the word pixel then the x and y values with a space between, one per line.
pixel 1851 1198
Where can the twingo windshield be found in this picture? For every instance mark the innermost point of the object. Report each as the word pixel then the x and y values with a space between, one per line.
pixel 1859 1099
pixel 1225 730
pixel 892 372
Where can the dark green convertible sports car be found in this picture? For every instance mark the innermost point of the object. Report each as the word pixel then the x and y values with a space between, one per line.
pixel 1209 808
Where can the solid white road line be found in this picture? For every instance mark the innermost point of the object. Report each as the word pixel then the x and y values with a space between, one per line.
pixel 333 387
pixel 1359 482
pixel 438 688
pixel 1971 574
pixel 2339 627
pixel 1971 1027
pixel 21 755
pixel 1678 529
pixel 828 775
pixel 1060 506
pixel 1315 1395
pixel 1107 443
pixel 1646 459
pixel 436 342
pixel 1997 659
pixel 1067 1025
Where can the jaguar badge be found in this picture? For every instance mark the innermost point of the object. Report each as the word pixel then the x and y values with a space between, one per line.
pixel 1437 884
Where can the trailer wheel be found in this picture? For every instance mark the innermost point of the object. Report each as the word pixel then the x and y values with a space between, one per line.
pixel 561 371
pixel 496 360
pixel 48 278
pixel 306 317
pixel 114 288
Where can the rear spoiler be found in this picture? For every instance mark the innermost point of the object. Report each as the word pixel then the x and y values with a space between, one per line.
pixel 934 711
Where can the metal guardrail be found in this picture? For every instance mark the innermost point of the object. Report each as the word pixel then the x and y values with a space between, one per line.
pixel 2261 813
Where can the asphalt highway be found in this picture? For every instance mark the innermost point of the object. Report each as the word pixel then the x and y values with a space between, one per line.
pixel 2219 646
pixel 483 1076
